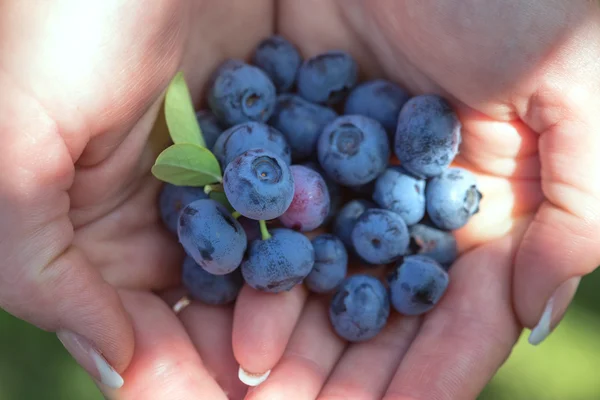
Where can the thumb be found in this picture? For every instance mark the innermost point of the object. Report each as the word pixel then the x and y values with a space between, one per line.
pixel 561 244
pixel 43 278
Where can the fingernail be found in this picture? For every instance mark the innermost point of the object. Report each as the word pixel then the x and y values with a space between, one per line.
pixel 252 379
pixel 90 359
pixel 554 311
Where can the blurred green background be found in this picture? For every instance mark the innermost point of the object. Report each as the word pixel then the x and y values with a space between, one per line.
pixel 34 365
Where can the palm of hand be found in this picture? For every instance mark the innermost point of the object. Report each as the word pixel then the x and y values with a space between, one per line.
pixel 117 227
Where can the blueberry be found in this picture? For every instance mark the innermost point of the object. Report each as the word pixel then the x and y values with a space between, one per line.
pixel 240 92
pixel 433 243
pixel 417 285
pixel 353 150
pixel 247 136
pixel 218 148
pixel 210 127
pixel 400 192
pixel 310 205
pixel 279 59
pixel 360 308
pixel 452 198
pixel 209 288
pixel 428 135
pixel 259 185
pixel 301 122
pixel 331 264
pixel 211 236
pixel 279 263
pixel 335 191
pixel 327 77
pixel 173 198
pixel 379 99
pixel 380 236
pixel 346 219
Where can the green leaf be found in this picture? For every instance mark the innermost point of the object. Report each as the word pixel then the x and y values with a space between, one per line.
pixel 187 164
pixel 221 198
pixel 180 114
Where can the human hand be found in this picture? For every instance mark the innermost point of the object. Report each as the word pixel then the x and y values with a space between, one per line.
pixel 524 79
pixel 81 240
pixel 46 96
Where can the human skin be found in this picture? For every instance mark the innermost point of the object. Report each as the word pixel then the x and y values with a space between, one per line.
pixel 81 86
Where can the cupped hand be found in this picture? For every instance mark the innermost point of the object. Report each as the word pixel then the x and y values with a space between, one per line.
pixel 82 245
pixel 524 80
pixel 84 248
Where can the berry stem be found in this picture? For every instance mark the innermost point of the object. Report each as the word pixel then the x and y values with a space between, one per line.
pixel 264 231
pixel 217 187
pixel 236 214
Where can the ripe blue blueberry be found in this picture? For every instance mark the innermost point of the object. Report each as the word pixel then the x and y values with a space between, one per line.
pixel 427 136
pixel 211 236
pixel 360 308
pixel 173 198
pixel 301 122
pixel 417 285
pixel 452 198
pixel 279 263
pixel 240 92
pixel 331 264
pixel 259 185
pixel 379 99
pixel 210 126
pixel 279 59
pixel 402 193
pixel 248 136
pixel 310 205
pixel 433 243
pixel 209 288
pixel 380 236
pixel 346 219
pixel 353 150
pixel 327 77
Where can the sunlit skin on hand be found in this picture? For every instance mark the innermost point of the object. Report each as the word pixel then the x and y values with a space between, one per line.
pixel 84 250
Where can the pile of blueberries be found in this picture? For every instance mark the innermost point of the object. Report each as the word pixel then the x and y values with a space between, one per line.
pixel 363 168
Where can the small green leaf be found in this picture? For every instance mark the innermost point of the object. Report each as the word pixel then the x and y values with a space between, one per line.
pixel 187 164
pixel 180 114
pixel 221 198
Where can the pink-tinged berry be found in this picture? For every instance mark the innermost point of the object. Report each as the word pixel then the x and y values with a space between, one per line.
pixel 311 202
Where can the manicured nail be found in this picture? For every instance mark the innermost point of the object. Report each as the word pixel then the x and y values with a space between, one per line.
pixel 90 359
pixel 252 379
pixel 554 311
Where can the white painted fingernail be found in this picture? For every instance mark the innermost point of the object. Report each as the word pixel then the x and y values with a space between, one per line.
pixel 90 359
pixel 554 310
pixel 252 379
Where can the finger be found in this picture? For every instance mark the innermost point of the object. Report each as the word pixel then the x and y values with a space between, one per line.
pixel 262 326
pixel 500 148
pixel 165 364
pixel 470 333
pixel 309 358
pixel 561 245
pixel 366 369
pixel 209 328
pixel 43 278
